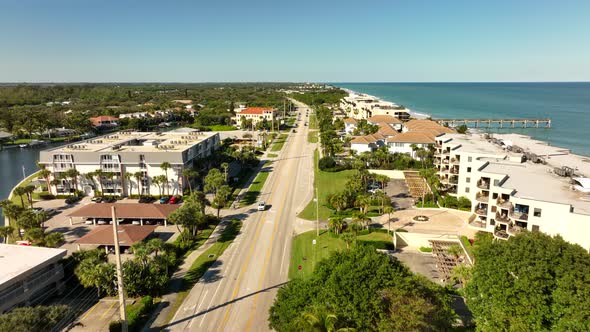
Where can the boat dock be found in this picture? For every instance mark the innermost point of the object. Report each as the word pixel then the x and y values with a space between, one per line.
pixel 496 123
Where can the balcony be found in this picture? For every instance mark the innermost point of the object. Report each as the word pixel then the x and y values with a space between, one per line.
pixel 501 234
pixel 454 170
pixel 481 211
pixel 515 230
pixel 455 161
pixel 445 161
pixel 503 203
pixel 483 184
pixel 519 215
pixel 453 180
pixel 482 198
pixel 502 218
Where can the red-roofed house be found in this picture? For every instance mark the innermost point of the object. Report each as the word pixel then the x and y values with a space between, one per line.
pixel 256 114
pixel 104 121
pixel 367 143
pixel 350 125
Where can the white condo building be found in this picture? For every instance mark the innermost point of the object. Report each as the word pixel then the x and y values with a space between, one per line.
pixel 508 193
pixel 362 106
pixel 128 152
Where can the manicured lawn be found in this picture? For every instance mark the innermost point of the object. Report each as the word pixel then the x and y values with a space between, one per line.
pixel 278 143
pixel 253 192
pixel 16 199
pixel 328 183
pixel 203 262
pixel 313 121
pixel 272 155
pixel 312 136
pixel 221 128
pixel 302 250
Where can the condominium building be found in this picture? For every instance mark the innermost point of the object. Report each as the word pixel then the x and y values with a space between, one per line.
pixel 362 106
pixel 508 193
pixel 28 274
pixel 255 114
pixel 104 161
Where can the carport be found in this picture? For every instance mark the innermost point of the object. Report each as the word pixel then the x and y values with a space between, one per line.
pixel 134 211
pixel 128 235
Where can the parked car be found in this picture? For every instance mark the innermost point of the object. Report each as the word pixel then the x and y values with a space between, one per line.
pixel 164 200
pixel 37 209
pixel 72 199
pixel 135 222
pixel 261 206
pixel 294 130
pixel 101 222
pixel 97 199
pixel 109 199
pixel 50 211
pixel 88 222
pixel 174 200
pixel 147 199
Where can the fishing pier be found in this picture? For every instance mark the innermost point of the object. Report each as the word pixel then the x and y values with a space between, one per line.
pixel 496 123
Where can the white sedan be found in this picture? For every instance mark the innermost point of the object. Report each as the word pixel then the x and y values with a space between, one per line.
pixel 261 206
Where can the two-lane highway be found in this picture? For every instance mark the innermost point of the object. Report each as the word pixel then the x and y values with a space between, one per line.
pixel 236 293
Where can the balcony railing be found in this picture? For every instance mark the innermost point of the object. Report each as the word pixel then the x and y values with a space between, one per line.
pixel 454 170
pixel 519 215
pixel 482 198
pixel 453 180
pixel 502 218
pixel 481 211
pixel 445 161
pixel 483 185
pixel 501 234
pixel 515 230
pixel 455 161
pixel 503 203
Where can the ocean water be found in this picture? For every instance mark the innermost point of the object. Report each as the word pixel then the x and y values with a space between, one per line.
pixel 566 104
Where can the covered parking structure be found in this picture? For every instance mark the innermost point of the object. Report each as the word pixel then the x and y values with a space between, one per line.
pixel 103 236
pixel 125 212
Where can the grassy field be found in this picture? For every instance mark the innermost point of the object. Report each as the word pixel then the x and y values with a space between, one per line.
pixel 312 136
pixel 253 192
pixel 221 128
pixel 328 183
pixel 203 262
pixel 302 250
pixel 279 142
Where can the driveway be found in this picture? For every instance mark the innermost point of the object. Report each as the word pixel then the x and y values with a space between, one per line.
pixel 397 189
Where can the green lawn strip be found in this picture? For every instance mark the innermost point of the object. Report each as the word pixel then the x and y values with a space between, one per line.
pixel 329 183
pixel 302 250
pixel 272 155
pixel 201 238
pixel 313 121
pixel 221 128
pixel 243 176
pixel 202 264
pixel 255 189
pixel 279 142
pixel 16 199
pixel 467 245
pixel 312 136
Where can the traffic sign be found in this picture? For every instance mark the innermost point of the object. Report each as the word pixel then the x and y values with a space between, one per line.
pixel 313 241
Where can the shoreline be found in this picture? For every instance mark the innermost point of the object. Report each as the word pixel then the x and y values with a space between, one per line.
pixel 555 156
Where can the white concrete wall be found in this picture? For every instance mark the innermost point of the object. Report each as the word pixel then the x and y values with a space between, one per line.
pixel 360 148
pixel 392 174
pixel 414 241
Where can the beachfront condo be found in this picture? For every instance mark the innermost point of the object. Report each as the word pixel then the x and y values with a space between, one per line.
pixel 362 106
pixel 509 193
pixel 103 161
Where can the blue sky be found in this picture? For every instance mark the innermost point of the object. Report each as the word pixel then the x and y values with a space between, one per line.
pixel 327 41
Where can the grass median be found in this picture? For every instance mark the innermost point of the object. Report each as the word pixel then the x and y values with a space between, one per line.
pixel 312 136
pixel 255 188
pixel 329 183
pixel 204 262
pixel 279 142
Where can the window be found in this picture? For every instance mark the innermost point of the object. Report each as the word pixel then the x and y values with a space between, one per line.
pixel 469 159
pixel 492 222
pixel 494 195
pixel 468 169
pixel 537 212
pixel 496 181
pixel 536 228
pixel 493 208
pixel 468 180
pixel 467 189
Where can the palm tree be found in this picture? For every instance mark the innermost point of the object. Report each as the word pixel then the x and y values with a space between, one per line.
pixel 54 240
pixel 389 210
pixel 348 238
pixel 382 196
pixel 20 191
pixel 165 166
pixel 363 202
pixel 189 174
pixel 55 183
pixel 461 273
pixel 99 173
pixel 128 176
pixel 225 167
pixel 46 174
pixel 29 189
pixel 138 177
pixel 339 201
pixel 5 232
pixel 159 180
pixel 73 174
pixel 336 223
pixel 455 250
pixel 35 236
pixel 111 176
pixel 362 219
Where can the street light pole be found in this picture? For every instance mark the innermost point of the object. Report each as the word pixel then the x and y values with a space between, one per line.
pixel 317 210
pixel 122 312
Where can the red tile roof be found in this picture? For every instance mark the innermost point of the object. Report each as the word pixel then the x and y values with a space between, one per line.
pixel 126 210
pixel 96 121
pixel 128 235
pixel 389 119
pixel 350 121
pixel 256 110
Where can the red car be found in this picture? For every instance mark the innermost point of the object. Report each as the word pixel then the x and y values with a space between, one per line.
pixel 174 200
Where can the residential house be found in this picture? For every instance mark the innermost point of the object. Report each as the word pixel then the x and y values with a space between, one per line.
pixel 256 114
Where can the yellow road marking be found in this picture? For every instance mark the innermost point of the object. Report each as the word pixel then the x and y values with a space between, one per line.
pixel 245 265
pixel 89 311
pixel 108 310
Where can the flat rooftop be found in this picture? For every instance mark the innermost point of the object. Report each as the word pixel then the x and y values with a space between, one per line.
pixel 133 141
pixel 538 182
pixel 16 260
pixel 474 143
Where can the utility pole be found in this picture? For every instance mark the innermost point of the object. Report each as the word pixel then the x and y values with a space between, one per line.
pixel 122 312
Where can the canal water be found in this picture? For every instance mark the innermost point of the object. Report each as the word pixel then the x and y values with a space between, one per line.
pixel 12 162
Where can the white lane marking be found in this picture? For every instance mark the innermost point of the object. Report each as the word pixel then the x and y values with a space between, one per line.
pixel 283 259
pixel 192 320
pixel 209 305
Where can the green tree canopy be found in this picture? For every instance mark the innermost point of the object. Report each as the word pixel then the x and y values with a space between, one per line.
pixel 532 282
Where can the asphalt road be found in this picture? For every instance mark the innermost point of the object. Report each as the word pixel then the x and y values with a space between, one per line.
pixel 237 292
